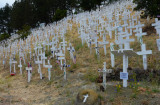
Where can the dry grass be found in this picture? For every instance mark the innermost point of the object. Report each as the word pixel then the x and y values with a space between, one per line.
pixel 91 100
pixel 87 64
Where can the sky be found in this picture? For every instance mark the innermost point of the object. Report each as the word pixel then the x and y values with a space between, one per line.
pixel 3 2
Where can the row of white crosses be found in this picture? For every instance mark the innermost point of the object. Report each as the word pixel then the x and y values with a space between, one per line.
pixel 157 27
pixel 39 62
pixel 125 52
pixel 143 51
pixel 96 21
pixel 38 36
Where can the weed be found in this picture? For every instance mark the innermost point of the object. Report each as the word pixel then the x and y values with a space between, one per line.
pixel 74 66
pixel 111 99
pixel 155 90
pixel 148 91
pixel 78 46
pixel 48 53
pixel 134 95
pixel 100 97
pixel 50 82
pixel 91 76
pixel 95 56
pixel 27 86
pixel 67 93
pixel 118 88
pixel 58 86
pixel 144 102
pixel 134 85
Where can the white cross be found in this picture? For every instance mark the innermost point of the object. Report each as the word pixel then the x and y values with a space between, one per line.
pixel 39 66
pixel 144 52
pixel 85 98
pixel 29 69
pixel 48 44
pixel 65 73
pixel 64 43
pixel 112 55
pixel 20 65
pixel 140 34
pixel 60 56
pixel 104 43
pixel 10 62
pixel 139 25
pixel 43 58
pixel 97 50
pixel 105 71
pixel 71 50
pixel 14 62
pixel 127 51
pixel 49 69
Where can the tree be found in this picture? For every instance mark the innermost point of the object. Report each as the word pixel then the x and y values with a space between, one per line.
pixel 23 14
pixel 87 5
pixel 59 14
pixel 5 21
pixel 150 7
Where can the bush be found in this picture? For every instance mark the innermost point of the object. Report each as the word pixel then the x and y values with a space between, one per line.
pixel 59 14
pixel 4 36
pixel 150 7
pixel 24 32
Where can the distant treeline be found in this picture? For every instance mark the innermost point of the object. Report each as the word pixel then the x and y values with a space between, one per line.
pixel 32 12
pixel 29 13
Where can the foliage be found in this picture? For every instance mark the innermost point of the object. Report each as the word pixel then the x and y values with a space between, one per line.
pixel 112 1
pixel 24 32
pixel 118 88
pixel 134 85
pixel 91 76
pixel 5 21
pixel 59 14
pixel 88 5
pixel 150 7
pixel 48 53
pixel 33 12
pixel 78 45
pixel 4 36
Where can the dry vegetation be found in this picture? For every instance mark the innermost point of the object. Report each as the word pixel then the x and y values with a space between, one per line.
pixel 14 90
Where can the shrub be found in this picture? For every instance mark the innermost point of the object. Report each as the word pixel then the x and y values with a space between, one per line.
pixel 59 14
pixel 4 36
pixel 24 32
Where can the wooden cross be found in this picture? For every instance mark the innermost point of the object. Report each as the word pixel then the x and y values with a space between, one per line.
pixel 97 50
pixel 71 50
pixel 105 71
pixel 65 66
